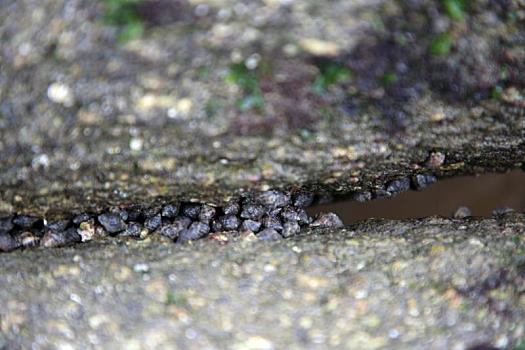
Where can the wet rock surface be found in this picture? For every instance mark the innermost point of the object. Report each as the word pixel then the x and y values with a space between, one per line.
pixel 445 283
pixel 87 122
pixel 216 129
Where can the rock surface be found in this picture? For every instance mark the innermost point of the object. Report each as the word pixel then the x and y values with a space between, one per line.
pixel 87 123
pixel 437 283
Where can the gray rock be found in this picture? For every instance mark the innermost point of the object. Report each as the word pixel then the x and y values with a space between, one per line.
pixel 269 235
pixel 113 223
pixel 327 220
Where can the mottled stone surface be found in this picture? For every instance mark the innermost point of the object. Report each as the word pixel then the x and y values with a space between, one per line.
pixel 86 122
pixel 434 283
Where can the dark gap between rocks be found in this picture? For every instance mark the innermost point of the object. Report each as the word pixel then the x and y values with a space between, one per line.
pixel 481 194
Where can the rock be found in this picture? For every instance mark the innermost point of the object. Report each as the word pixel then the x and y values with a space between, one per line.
pixel 78 219
pixel 398 186
pixel 59 239
pixel 303 217
pixel 273 199
pixel 230 222
pixel 134 213
pixel 191 210
pixel 303 199
pixel 363 196
pixel 7 242
pixel 170 211
pixel 172 231
pixel 269 235
pixel 250 225
pixel 57 226
pixel 6 225
pixel 153 222
pixel 272 222
pixel 435 160
pixel 206 213
pixel 289 214
pixel 24 221
pixel 462 212
pixel 135 230
pixel 86 230
pixel 252 211
pixel 290 229
pixel 113 223
pixel 216 225
pixel 28 239
pixel 197 230
pixel 327 220
pixel 422 181
pixel 231 208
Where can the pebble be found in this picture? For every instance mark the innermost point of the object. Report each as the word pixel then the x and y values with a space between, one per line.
pixel 170 211
pixel 124 215
pixel 58 226
pixel 24 221
pixel 250 225
pixel 196 231
pixel 273 199
pixel 422 181
pixel 231 208
pixel 327 220
pixel 271 210
pixel 7 243
pixel 206 213
pixel 398 186
pixel 28 239
pixel 229 222
pixel 113 223
pixel 78 219
pixel 303 217
pixel 363 197
pixel 216 225
pixel 289 214
pixel 133 230
pixel 59 239
pixel 303 199
pixel 134 213
pixel 172 231
pixel 6 225
pixel 462 212
pixel 153 222
pixel 290 229
pixel 191 210
pixel 86 230
pixel 272 222
pixel 435 160
pixel 269 235
pixel 252 211
pixel 151 212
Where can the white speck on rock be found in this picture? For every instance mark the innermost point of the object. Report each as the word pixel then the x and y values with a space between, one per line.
pixel 141 267
pixel 61 93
